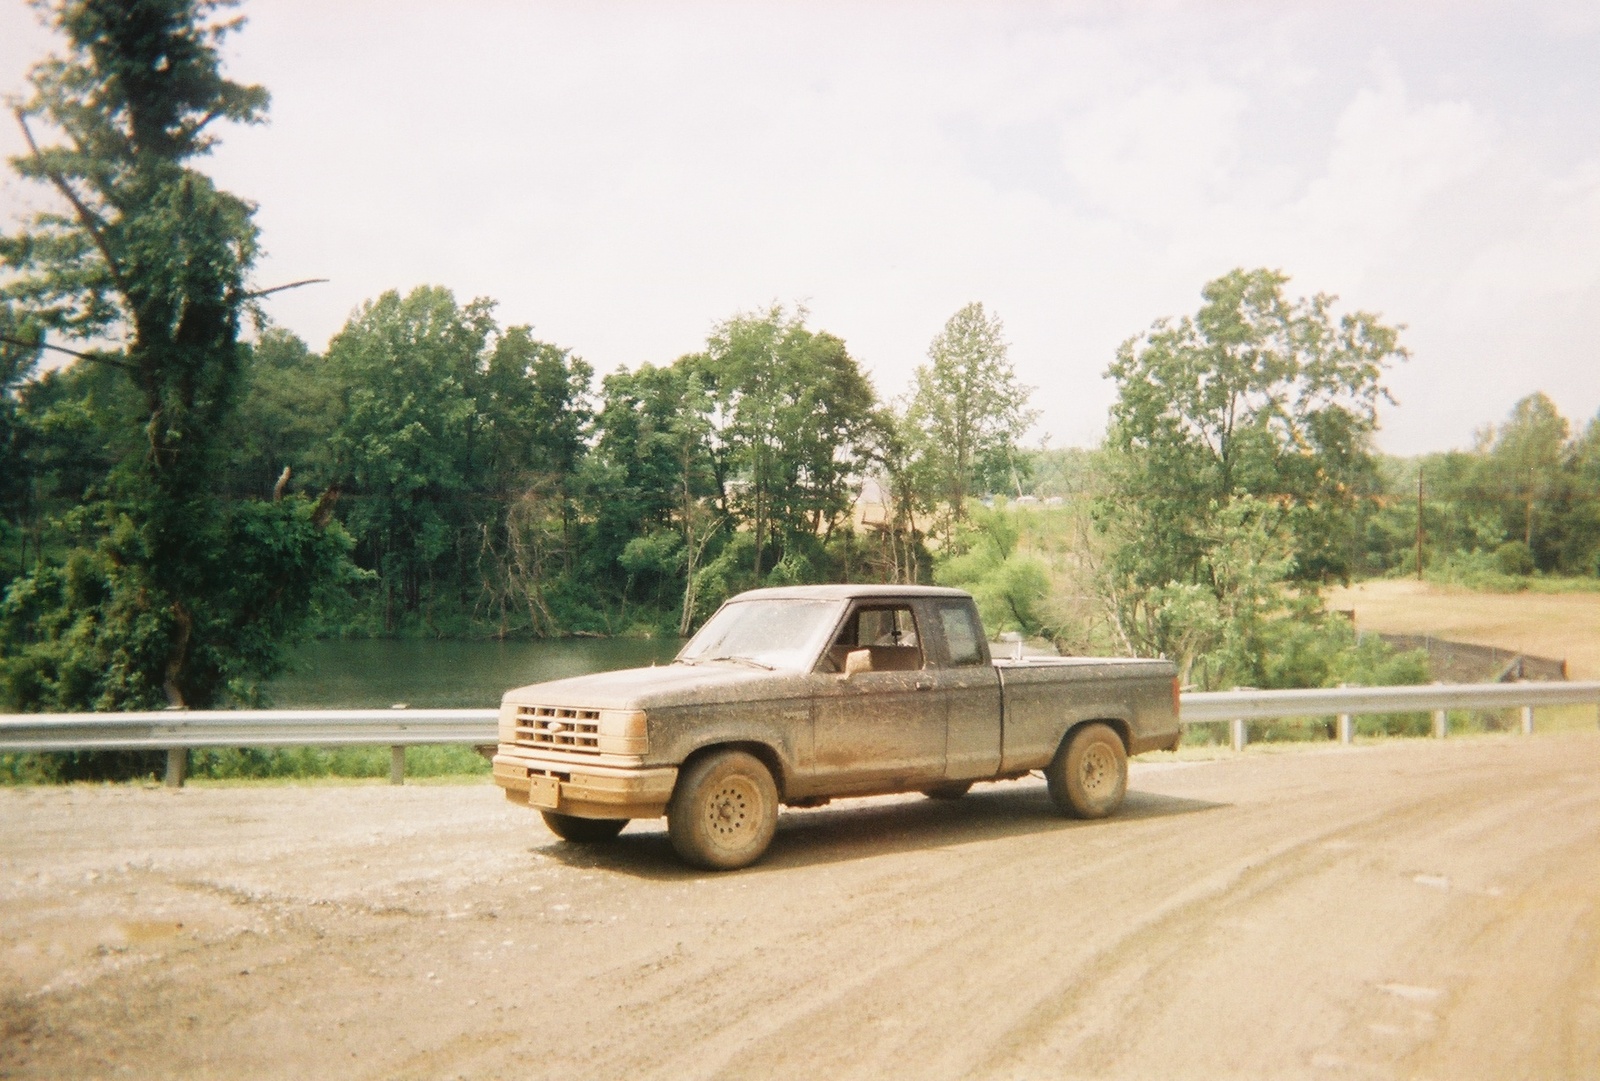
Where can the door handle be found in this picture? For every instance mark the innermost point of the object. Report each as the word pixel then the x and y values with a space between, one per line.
pixel 924 684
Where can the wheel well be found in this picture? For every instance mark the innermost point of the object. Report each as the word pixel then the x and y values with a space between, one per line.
pixel 1117 725
pixel 765 754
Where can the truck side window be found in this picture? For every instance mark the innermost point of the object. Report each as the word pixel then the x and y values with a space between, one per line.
pixel 890 633
pixel 961 634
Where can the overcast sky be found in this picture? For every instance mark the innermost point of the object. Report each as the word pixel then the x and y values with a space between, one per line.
pixel 625 175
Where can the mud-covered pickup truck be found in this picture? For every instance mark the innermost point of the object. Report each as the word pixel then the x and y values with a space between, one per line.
pixel 799 695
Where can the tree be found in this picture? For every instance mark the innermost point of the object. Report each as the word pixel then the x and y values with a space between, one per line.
pixel 148 252
pixel 17 360
pixel 796 422
pixel 1580 550
pixel 654 483
pixel 287 414
pixel 1239 454
pixel 967 409
pixel 1525 461
pixel 1255 394
pixel 410 426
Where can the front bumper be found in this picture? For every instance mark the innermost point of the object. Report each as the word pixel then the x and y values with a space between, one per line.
pixel 583 790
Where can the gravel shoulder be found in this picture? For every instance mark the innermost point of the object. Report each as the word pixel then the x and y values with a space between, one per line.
pixel 1396 909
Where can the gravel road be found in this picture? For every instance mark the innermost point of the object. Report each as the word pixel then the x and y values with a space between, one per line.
pixel 1407 909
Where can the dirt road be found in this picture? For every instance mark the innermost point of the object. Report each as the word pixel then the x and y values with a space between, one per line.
pixel 1402 910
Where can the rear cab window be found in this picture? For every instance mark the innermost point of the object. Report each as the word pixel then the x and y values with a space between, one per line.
pixel 963 635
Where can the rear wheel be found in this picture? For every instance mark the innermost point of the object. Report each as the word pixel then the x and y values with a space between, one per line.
pixel 583 831
pixel 1089 775
pixel 947 790
pixel 724 811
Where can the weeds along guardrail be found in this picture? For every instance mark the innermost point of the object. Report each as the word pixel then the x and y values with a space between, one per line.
pixel 177 731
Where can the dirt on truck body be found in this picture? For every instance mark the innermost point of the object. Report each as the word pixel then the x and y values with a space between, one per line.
pixel 800 695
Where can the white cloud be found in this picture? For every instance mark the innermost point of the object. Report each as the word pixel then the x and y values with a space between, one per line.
pixel 623 176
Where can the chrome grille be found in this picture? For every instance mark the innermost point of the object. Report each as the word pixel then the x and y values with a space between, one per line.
pixel 559 728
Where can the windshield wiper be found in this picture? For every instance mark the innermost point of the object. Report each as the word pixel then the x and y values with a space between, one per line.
pixel 745 660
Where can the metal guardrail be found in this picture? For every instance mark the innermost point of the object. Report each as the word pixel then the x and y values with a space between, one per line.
pixel 244 728
pixel 1345 703
pixel 175 731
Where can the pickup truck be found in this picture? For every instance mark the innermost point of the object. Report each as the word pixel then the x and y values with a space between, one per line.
pixel 798 695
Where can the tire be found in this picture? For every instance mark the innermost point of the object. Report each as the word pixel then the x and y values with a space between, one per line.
pixel 724 811
pixel 947 790
pixel 583 831
pixel 1089 775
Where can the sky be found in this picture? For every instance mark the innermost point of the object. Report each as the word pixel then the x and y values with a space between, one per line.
pixel 624 176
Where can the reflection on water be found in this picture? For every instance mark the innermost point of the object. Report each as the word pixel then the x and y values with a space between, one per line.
pixel 441 675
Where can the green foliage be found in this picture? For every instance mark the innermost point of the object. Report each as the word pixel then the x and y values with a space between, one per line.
pixel 1525 490
pixel 1320 650
pixel 965 414
pixel 1255 394
pixel 1240 462
pixel 76 636
pixel 796 426
pixel 167 593
pixel 1010 587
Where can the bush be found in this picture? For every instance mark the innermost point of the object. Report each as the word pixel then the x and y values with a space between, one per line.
pixel 1514 558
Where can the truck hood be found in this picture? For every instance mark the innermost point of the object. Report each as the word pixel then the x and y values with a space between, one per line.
pixel 664 685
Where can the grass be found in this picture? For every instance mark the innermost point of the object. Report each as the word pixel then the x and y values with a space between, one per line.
pixel 1554 624
pixel 275 764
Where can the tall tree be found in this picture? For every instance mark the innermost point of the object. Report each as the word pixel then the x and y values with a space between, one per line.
pixel 188 594
pixel 1257 394
pixel 967 410
pixel 797 420
pixel 1239 452
pixel 1525 460
pixel 410 430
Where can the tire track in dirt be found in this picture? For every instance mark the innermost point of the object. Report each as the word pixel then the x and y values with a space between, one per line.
pixel 1368 912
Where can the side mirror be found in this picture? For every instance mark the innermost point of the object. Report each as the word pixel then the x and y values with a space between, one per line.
pixel 856 662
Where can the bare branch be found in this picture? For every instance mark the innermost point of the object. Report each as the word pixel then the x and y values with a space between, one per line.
pixel 192 130
pixel 86 217
pixel 98 358
pixel 281 288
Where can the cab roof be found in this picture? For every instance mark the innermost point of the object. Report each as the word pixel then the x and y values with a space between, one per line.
pixel 848 592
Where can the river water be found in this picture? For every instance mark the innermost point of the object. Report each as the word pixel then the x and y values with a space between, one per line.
pixel 439 674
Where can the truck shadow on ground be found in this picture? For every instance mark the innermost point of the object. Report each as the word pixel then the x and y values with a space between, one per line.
pixel 855 829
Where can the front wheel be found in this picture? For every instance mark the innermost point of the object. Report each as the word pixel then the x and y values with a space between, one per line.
pixel 724 811
pixel 1089 775
pixel 583 831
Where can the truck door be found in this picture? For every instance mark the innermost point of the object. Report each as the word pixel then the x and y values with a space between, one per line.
pixel 883 728
pixel 966 680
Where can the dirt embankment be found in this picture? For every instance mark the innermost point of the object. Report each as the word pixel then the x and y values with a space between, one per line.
pixel 1408 909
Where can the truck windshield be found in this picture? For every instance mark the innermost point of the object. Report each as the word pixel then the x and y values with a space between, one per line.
pixel 764 633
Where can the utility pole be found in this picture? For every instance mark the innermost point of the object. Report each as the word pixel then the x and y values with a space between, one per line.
pixel 1419 521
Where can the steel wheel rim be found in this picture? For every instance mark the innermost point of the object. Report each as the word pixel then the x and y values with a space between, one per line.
pixel 732 812
pixel 1099 771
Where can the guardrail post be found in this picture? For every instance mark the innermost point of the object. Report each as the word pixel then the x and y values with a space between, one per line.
pixel 1346 723
pixel 397 765
pixel 1238 732
pixel 1527 720
pixel 177 766
pixel 1441 723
